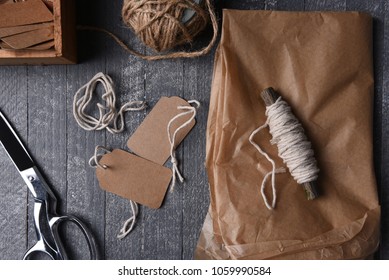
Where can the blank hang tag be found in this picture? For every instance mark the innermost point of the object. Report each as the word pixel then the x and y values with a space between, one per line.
pixel 134 178
pixel 30 38
pixel 23 13
pixel 9 31
pixel 151 140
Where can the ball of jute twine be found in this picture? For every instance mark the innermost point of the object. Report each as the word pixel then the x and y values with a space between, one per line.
pixel 159 25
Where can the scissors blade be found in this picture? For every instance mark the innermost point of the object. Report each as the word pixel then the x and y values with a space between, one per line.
pixel 14 146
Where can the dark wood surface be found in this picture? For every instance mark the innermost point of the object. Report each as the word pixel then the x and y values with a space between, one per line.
pixel 38 102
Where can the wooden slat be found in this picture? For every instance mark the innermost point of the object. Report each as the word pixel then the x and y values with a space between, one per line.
pixel 328 5
pixel 198 76
pixel 47 131
pixel 243 4
pixel 85 199
pixel 292 5
pixel 127 73
pixel 163 227
pixel 13 201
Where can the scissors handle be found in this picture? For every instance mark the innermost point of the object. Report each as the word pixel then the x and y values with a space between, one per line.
pixel 50 244
pixel 56 221
pixel 47 221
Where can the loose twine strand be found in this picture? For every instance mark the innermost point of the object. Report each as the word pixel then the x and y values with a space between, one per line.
pixel 188 110
pixel 293 147
pixel 170 35
pixel 129 224
pixel 109 118
pixel 272 173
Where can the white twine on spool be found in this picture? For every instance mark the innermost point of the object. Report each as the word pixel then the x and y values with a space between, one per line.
pixel 293 147
pixel 109 116
pixel 187 110
pixel 129 224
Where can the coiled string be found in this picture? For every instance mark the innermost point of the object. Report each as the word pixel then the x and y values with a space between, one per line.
pixel 293 147
pixel 109 117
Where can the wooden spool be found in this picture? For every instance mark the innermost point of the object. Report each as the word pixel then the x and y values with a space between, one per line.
pixel 270 96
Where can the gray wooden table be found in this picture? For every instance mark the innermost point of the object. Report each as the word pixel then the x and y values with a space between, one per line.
pixel 38 101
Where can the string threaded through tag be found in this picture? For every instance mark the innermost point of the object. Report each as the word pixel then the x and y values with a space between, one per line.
pixel 94 161
pixel 129 224
pixel 187 110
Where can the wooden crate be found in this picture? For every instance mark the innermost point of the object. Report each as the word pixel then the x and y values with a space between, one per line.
pixel 64 51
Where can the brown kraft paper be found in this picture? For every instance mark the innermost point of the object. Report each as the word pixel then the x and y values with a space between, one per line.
pixel 321 64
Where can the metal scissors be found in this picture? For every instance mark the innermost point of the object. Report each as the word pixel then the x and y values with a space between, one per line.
pixel 46 219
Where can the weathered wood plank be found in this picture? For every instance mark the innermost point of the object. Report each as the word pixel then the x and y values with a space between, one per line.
pixel 243 4
pixel 85 199
pixel 128 74
pixel 13 201
pixel 326 5
pixel 291 5
pixel 47 131
pixel 162 228
pixel 198 76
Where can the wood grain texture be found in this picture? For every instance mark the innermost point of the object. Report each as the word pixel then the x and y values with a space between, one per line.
pixel 128 74
pixel 242 4
pixel 38 101
pixel 85 199
pixel 198 77
pixel 47 131
pixel 13 201
pixel 326 5
pixel 292 5
pixel 165 78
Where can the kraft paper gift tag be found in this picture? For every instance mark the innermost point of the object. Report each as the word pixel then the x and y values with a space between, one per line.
pixel 9 31
pixel 42 46
pixel 150 140
pixel 321 63
pixel 134 178
pixel 23 13
pixel 31 38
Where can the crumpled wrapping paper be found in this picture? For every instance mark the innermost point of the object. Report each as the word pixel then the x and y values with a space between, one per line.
pixel 321 64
